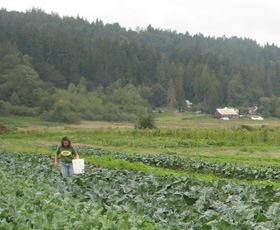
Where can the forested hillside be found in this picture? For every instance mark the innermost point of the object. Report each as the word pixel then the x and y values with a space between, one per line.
pixel 70 69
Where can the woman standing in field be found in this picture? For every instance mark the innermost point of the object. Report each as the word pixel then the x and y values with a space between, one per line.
pixel 65 152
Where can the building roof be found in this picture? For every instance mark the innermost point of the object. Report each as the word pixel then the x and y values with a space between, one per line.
pixel 226 111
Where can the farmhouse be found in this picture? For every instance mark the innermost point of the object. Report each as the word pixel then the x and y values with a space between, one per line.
pixel 226 112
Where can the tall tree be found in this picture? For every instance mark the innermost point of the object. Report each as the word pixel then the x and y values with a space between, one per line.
pixel 179 90
pixel 202 84
pixel 236 95
pixel 171 96
pixel 214 97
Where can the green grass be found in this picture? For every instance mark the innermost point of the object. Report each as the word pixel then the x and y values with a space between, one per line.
pixel 108 161
pixel 189 119
pixel 14 122
pixel 126 140
pixel 161 141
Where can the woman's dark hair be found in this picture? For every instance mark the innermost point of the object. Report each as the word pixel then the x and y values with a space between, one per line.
pixel 66 139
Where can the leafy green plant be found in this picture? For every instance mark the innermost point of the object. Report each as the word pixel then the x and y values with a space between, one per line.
pixel 188 164
pixel 35 196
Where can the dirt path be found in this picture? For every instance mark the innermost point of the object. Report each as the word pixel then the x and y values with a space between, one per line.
pixel 83 124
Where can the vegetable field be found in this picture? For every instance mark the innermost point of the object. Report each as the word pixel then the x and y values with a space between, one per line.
pixel 200 176
pixel 227 170
pixel 35 196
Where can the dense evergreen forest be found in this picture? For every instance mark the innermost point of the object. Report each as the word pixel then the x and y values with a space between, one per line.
pixel 65 68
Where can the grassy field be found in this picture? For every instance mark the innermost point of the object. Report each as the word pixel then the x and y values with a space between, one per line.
pixel 170 118
pixel 184 135
pixel 213 173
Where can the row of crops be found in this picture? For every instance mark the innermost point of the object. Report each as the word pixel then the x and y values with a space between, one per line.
pixel 35 196
pixel 188 164
pixel 239 135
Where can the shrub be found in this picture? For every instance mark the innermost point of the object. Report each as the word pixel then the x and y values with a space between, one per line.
pixel 145 122
pixel 22 111
pixel 63 111
pixel 4 107
pixel 248 127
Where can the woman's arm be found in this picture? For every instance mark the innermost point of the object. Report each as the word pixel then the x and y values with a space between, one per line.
pixel 75 153
pixel 55 159
pixel 56 155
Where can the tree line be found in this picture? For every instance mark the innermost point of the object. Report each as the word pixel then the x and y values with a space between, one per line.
pixel 65 68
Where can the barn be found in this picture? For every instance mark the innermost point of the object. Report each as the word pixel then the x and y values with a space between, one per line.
pixel 226 112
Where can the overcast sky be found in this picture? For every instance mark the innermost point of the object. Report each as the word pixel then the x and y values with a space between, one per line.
pixel 255 19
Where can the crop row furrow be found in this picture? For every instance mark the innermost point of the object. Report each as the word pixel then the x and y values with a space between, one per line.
pixel 189 164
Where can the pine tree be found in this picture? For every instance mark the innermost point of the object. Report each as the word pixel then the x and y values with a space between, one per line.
pixel 171 96
pixel 179 90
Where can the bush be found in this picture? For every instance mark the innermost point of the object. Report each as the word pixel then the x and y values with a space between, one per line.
pixel 145 122
pixel 248 127
pixel 22 111
pixel 266 114
pixel 64 112
pixel 4 107
pixel 69 118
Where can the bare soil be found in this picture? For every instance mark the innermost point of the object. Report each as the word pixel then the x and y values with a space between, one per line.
pixel 83 124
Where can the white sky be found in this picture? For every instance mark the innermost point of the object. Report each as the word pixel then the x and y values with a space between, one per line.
pixel 255 19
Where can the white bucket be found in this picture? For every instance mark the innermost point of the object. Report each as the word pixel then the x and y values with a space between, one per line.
pixel 78 166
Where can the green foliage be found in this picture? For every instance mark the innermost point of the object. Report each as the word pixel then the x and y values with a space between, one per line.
pixel 18 85
pixel 34 193
pixel 63 111
pixel 266 114
pixel 270 106
pixel 47 205
pixel 145 122
pixel 248 127
pixel 22 111
pixel 128 98
pixel 199 136
pixel 116 104
pixel 226 170
pixel 136 70
pixel 4 107
pixel 14 100
pixel 159 96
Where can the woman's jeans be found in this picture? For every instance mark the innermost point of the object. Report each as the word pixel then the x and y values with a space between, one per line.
pixel 66 169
